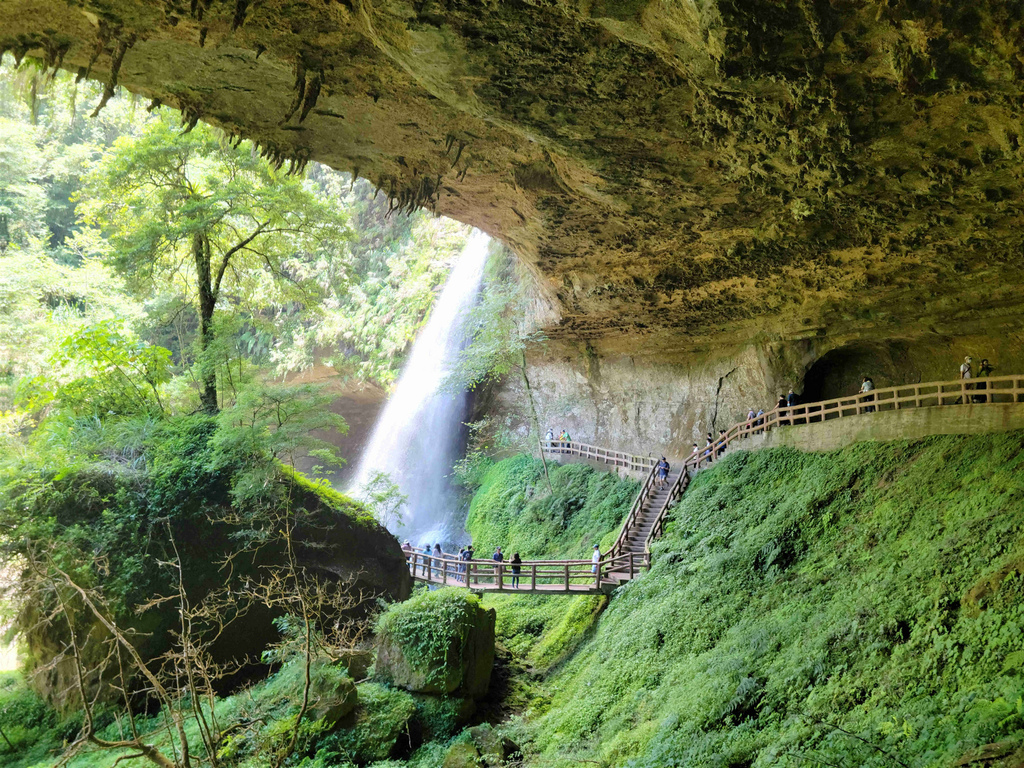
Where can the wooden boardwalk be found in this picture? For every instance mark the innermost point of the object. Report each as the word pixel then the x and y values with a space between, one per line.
pixel 630 555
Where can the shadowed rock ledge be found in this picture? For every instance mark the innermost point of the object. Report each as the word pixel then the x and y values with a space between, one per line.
pixel 678 172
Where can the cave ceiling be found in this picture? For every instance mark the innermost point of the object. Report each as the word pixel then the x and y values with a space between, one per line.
pixel 677 173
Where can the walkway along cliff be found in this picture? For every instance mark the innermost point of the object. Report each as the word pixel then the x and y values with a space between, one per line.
pixel 630 555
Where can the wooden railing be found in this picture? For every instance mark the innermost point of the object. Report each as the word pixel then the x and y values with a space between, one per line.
pixel 621 545
pixel 596 453
pixel 959 392
pixel 620 563
pixel 534 575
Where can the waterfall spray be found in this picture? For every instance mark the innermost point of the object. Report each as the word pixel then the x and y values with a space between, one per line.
pixel 418 436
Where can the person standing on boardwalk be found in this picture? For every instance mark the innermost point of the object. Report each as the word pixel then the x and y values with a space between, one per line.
pixel 595 558
pixel 867 385
pixel 516 566
pixel 966 374
pixel 438 557
pixel 781 407
pixel 983 373
pixel 467 555
pixel 498 558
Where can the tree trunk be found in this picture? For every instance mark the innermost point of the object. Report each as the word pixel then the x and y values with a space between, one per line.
pixel 536 422
pixel 207 301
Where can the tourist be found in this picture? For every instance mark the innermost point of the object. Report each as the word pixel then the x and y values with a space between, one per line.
pixel 983 373
pixel 516 565
pixel 866 386
pixel 696 450
pixel 760 418
pixel 461 569
pixel 438 559
pixel 466 557
pixel 549 437
pixel 721 440
pixel 595 558
pixel 750 417
pixel 498 558
pixel 662 472
pixel 566 440
pixel 965 374
pixel 791 401
pixel 707 447
pixel 781 408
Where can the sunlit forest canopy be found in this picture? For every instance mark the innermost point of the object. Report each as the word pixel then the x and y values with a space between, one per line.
pixel 103 212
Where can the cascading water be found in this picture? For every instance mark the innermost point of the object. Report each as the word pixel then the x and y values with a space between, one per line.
pixel 418 436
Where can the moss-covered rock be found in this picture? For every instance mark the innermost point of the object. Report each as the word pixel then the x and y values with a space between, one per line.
pixel 440 642
pixel 481 747
pixel 332 696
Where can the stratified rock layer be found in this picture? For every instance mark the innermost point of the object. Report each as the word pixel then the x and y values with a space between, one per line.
pixel 676 172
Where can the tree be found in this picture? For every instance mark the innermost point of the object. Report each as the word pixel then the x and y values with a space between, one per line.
pixel 217 222
pixel 385 499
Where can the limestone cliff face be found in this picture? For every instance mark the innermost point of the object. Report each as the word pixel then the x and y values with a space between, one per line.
pixel 648 402
pixel 679 174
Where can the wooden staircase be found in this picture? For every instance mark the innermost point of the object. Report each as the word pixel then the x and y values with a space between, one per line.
pixel 637 536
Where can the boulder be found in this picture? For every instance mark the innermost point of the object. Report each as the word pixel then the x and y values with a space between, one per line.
pixel 481 746
pixel 333 697
pixel 439 643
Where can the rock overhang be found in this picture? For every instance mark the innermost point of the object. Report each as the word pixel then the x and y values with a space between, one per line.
pixel 687 173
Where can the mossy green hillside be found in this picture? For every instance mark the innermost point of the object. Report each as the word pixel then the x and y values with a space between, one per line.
pixel 513 508
pixel 860 607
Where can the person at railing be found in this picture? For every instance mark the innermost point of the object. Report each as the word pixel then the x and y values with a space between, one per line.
pixel 595 559
pixel 438 557
pixel 781 406
pixel 866 386
pixel 662 474
pixel 549 437
pixel 791 398
pixel 467 555
pixel 497 557
pixel 760 419
pixel 983 373
pixel 516 563
pixel 750 417
pixel 707 447
pixel 721 443
pixel 565 439
pixel 696 452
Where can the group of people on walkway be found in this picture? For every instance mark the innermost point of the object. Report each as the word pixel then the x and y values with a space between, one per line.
pixel 967 372
pixel 431 565
pixel 562 441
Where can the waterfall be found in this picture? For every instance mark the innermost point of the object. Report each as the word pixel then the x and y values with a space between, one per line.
pixel 419 435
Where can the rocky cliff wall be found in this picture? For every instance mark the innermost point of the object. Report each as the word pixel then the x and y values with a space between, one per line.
pixel 647 402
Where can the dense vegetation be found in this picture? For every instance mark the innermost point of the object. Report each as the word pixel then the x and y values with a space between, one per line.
pixel 860 607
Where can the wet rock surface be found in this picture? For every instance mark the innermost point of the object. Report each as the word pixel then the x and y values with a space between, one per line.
pixel 677 173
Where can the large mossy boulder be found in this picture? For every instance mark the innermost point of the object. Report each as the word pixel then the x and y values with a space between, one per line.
pixel 439 642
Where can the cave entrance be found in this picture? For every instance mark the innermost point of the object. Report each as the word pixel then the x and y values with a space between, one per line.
pixel 838 372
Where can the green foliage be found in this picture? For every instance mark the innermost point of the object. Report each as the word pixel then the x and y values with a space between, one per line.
pixel 102 370
pixel 513 509
pixel 382 717
pixel 860 607
pixel 430 627
pixel 385 499
pixel 25 719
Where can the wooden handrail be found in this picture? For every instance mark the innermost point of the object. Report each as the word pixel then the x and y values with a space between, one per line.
pixel 620 560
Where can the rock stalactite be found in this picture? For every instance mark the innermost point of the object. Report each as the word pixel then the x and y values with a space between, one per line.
pixel 683 173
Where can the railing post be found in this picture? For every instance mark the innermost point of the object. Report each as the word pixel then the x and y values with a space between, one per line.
pixel 533 577
pixel 597 581
pixel 444 571
pixel 631 566
pixel 566 577
pixel 501 575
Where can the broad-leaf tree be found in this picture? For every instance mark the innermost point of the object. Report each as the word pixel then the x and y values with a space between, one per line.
pixel 216 222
